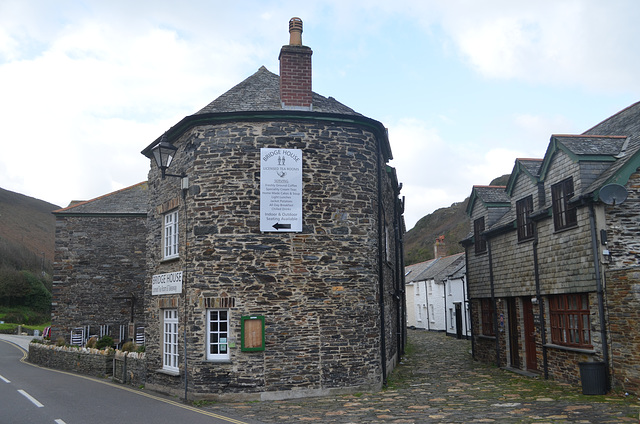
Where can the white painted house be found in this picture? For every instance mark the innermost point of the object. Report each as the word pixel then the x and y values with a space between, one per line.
pixel 456 301
pixel 415 293
pixel 436 295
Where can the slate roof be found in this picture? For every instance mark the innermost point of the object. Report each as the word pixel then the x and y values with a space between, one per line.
pixel 612 148
pixel 261 92
pixel 460 272
pixel 413 271
pixel 130 200
pixel 588 145
pixel 626 122
pixel 531 165
pixel 441 268
pixel 492 194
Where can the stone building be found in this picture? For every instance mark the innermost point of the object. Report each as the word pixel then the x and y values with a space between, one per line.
pixel 100 267
pixel 274 245
pixel 553 263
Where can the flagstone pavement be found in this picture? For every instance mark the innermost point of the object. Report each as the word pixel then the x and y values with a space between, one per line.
pixel 439 382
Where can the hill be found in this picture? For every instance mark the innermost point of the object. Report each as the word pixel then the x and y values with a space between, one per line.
pixel 27 232
pixel 451 222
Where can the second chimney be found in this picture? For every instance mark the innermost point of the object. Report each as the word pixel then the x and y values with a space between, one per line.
pixel 295 70
pixel 439 248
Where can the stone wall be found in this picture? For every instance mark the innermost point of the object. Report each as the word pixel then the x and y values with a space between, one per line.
pixel 93 362
pixel 623 288
pixel 318 290
pixel 97 258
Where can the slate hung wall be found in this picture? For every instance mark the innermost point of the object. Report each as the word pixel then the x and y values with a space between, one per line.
pixel 564 296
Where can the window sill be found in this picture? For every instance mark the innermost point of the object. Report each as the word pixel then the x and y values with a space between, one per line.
pixel 571 349
pixel 563 229
pixel 482 336
pixel 168 372
pixel 172 259
pixel 220 361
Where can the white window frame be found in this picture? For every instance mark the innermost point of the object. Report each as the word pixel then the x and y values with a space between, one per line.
pixel 170 340
pixel 218 332
pixel 170 235
pixel 417 288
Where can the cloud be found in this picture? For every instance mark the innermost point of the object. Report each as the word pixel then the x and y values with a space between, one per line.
pixel 583 43
pixel 437 172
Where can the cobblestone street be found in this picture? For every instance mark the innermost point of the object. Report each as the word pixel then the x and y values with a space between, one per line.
pixel 438 382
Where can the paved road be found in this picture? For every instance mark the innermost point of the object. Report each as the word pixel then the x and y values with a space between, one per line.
pixel 440 383
pixel 31 394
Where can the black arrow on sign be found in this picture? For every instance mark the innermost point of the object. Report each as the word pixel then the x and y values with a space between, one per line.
pixel 278 226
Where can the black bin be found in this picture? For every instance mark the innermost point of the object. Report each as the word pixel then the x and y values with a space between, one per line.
pixel 593 376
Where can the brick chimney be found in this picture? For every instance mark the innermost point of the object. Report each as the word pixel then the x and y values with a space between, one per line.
pixel 439 248
pixel 295 70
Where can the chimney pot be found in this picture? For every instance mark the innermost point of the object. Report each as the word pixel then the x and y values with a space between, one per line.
pixel 295 32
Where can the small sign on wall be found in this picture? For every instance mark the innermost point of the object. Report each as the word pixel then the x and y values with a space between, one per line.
pixel 169 283
pixel 252 333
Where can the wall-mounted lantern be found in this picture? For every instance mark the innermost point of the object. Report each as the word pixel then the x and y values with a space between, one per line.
pixel 163 153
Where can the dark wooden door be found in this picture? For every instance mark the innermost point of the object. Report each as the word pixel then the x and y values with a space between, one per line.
pixel 529 334
pixel 458 320
pixel 514 344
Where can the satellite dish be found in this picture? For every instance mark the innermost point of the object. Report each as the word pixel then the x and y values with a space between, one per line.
pixel 613 194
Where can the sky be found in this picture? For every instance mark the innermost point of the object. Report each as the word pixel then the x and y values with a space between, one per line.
pixel 464 87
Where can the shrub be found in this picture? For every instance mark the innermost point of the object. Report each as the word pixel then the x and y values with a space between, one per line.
pixel 91 343
pixel 129 347
pixel 60 341
pixel 104 342
pixel 14 318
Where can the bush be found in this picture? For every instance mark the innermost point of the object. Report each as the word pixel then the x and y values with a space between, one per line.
pixel 104 342
pixel 92 342
pixel 14 318
pixel 129 347
pixel 61 341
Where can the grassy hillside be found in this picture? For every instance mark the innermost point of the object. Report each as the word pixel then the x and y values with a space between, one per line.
pixel 452 222
pixel 27 232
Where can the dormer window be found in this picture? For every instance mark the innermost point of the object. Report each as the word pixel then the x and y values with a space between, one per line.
pixel 564 214
pixel 524 207
pixel 478 229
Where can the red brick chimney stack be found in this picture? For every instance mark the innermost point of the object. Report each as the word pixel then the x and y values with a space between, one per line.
pixel 295 70
pixel 439 248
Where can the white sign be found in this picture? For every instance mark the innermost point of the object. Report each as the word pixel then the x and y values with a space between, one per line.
pixel 280 190
pixel 169 283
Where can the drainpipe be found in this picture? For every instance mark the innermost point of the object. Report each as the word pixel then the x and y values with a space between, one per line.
pixel 444 296
pixel 399 294
pixel 403 282
pixel 536 275
pixel 383 345
pixel 493 301
pixel 186 279
pixel 426 300
pixel 470 314
pixel 596 264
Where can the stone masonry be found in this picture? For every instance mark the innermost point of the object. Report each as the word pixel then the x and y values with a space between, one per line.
pixel 318 289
